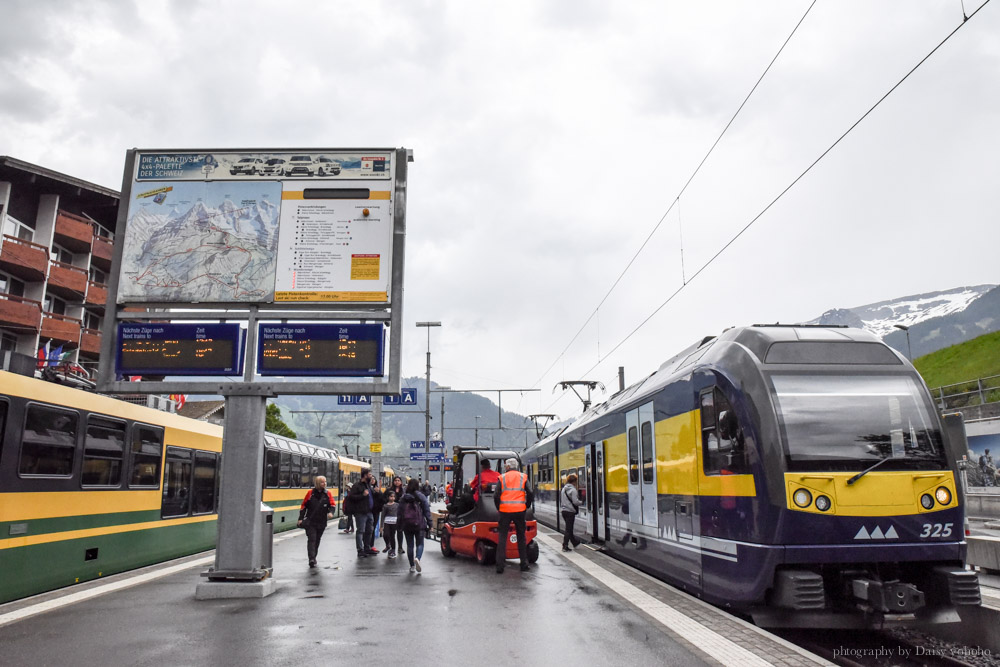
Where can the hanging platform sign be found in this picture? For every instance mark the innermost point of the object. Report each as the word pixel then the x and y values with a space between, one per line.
pixel 327 350
pixel 179 349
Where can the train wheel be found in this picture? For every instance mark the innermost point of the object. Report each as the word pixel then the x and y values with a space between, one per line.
pixel 446 549
pixel 532 551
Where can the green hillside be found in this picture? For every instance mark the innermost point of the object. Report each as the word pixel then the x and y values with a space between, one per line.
pixel 977 358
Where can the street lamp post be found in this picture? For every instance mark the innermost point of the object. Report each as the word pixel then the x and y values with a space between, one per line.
pixel 906 330
pixel 427 394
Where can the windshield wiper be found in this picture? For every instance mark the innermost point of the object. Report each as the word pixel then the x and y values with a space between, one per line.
pixel 866 471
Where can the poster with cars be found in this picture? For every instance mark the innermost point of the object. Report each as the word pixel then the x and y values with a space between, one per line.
pixel 258 227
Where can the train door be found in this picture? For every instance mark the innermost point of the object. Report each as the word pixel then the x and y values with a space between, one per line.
pixel 634 486
pixel 647 445
pixel 598 526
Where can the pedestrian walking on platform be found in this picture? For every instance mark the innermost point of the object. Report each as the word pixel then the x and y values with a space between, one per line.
pixel 569 505
pixel 317 508
pixel 378 500
pixel 414 516
pixel 361 506
pixel 389 519
pixel 512 500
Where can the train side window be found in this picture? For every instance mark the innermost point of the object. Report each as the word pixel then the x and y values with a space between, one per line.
pixel 272 459
pixel 331 474
pixel 307 471
pixel 147 448
pixel 296 478
pixel 206 466
pixel 285 470
pixel 48 446
pixel 3 426
pixel 176 483
pixel 581 484
pixel 633 455
pixel 103 452
pixel 646 437
pixel 723 445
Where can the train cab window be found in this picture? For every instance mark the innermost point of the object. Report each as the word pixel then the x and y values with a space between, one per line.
pixel 176 483
pixel 646 438
pixel 206 465
pixel 103 452
pixel 723 446
pixel 49 443
pixel 307 471
pixel 285 470
pixel 272 459
pixel 147 447
pixel 633 455
pixel 296 470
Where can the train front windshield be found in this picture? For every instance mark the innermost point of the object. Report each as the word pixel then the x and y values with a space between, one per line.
pixel 856 418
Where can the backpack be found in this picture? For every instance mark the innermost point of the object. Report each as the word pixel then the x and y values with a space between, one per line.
pixel 411 514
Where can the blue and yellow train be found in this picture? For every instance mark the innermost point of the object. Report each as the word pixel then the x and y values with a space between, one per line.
pixel 799 475
pixel 92 486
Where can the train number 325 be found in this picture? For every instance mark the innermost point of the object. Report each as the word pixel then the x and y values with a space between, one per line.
pixel 936 530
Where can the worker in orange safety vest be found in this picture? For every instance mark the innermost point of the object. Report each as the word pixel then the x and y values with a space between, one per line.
pixel 512 498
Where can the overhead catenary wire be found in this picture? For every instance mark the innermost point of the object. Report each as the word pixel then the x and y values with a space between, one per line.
pixel 676 199
pixel 786 189
pixel 783 192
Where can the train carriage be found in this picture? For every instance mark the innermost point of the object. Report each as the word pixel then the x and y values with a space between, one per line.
pixel 798 474
pixel 91 485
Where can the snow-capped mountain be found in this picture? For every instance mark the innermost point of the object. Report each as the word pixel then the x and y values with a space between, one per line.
pixel 935 320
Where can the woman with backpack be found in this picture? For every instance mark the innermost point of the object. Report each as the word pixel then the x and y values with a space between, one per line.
pixel 414 518
pixel 569 505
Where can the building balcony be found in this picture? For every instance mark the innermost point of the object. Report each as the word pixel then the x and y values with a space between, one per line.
pixel 67 281
pixel 101 253
pixel 23 259
pixel 23 315
pixel 90 342
pixel 60 328
pixel 97 295
pixel 73 232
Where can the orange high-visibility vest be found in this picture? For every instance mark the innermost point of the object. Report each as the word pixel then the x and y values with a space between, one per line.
pixel 512 495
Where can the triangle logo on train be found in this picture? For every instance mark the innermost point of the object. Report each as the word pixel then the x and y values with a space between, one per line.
pixel 877 534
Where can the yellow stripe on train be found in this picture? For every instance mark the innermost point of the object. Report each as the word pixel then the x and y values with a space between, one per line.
pixel 62 536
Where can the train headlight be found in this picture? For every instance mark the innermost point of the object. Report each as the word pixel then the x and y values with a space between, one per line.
pixel 802 498
pixel 822 503
pixel 943 495
pixel 927 501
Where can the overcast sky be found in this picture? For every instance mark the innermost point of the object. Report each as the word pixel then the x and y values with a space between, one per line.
pixel 550 137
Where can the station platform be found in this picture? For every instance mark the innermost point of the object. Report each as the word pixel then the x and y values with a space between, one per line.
pixel 569 608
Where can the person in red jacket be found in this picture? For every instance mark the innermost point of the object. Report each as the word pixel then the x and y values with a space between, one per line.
pixel 317 508
pixel 486 476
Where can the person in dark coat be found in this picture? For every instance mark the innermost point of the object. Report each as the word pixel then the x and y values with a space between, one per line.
pixel 317 508
pixel 378 501
pixel 361 503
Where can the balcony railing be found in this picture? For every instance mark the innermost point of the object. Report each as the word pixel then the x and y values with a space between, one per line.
pixel 101 253
pixel 23 259
pixel 97 294
pixel 23 315
pixel 68 280
pixel 74 232
pixel 61 328
pixel 90 342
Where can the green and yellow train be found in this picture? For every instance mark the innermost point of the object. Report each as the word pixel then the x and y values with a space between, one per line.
pixel 92 486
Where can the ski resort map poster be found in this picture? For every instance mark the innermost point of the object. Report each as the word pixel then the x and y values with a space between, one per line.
pixel 258 227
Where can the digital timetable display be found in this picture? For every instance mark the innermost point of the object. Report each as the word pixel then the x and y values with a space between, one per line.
pixel 178 349
pixel 321 349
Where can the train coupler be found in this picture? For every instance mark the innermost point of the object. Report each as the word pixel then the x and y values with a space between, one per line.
pixel 888 597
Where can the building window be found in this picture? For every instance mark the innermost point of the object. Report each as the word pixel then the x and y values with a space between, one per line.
pixel 103 451
pixel 49 442
pixel 98 276
pixel 8 342
pixel 11 285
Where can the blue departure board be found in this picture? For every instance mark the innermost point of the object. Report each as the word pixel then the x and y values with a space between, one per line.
pixel 331 350
pixel 179 349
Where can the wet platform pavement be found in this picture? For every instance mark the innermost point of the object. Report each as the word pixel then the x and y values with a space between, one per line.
pixel 577 608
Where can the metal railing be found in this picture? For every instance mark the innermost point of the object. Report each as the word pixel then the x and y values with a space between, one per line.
pixel 966 394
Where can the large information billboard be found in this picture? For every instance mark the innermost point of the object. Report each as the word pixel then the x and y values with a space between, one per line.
pixel 259 227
